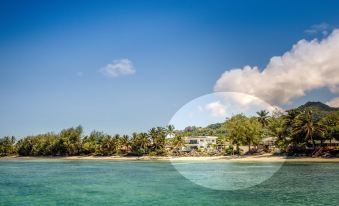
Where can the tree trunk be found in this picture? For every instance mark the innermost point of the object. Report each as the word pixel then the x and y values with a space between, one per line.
pixel 238 150
pixel 313 143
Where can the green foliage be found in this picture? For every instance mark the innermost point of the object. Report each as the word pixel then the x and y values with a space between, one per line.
pixel 319 110
pixel 305 126
pixel 178 142
pixel 242 130
pixel 263 117
pixel 70 141
pixel 331 122
pixel 158 136
pixel 229 150
pixel 297 128
pixel 7 146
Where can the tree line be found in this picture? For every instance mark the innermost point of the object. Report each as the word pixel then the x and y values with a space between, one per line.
pixel 71 142
pixel 293 131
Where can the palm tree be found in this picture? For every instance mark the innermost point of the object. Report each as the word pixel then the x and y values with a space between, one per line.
pixel 331 122
pixel 178 142
pixel 116 143
pixel 144 142
pixel 170 130
pixel 305 124
pixel 124 141
pixel 263 117
pixel 158 136
pixel 290 118
pixel 106 146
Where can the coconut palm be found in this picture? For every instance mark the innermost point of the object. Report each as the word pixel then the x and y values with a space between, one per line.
pixel 116 143
pixel 178 142
pixel 331 122
pixel 125 143
pixel 144 141
pixel 263 117
pixel 305 125
pixel 170 130
pixel 158 136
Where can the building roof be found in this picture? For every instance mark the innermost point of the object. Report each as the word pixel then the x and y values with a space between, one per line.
pixel 199 137
pixel 333 141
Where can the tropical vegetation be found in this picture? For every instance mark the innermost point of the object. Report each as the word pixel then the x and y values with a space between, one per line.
pixel 298 130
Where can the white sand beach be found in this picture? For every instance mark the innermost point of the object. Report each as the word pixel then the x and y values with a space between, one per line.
pixel 252 158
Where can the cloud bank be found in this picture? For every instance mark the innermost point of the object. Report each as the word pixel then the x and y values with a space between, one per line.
pixel 307 66
pixel 118 67
pixel 216 108
pixel 333 102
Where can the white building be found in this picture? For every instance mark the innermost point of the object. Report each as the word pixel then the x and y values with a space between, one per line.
pixel 199 142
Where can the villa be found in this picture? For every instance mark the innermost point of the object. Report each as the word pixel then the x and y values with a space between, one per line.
pixel 199 142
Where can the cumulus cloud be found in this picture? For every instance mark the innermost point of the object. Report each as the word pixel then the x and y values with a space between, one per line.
pixel 307 66
pixel 216 108
pixel 247 102
pixel 118 67
pixel 333 102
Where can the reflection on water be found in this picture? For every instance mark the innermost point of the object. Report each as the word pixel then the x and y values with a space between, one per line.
pixel 158 183
pixel 222 175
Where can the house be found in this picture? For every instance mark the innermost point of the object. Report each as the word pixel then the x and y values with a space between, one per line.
pixel 333 143
pixel 267 144
pixel 199 142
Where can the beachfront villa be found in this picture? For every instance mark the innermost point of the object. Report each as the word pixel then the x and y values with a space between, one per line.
pixel 204 143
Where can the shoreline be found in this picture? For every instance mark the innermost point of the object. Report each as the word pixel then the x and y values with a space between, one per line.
pixel 252 158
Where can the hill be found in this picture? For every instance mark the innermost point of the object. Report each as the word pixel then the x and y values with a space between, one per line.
pixel 319 109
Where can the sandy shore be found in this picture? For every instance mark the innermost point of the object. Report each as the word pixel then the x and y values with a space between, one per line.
pixel 118 158
pixel 253 158
pixel 257 158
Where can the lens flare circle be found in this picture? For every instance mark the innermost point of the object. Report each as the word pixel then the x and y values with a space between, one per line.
pixel 228 172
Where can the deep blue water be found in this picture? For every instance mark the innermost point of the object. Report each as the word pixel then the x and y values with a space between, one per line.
pixel 66 182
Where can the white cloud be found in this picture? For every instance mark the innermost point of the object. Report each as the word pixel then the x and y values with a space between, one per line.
pixel 118 67
pixel 322 28
pixel 307 66
pixel 216 108
pixel 247 102
pixel 333 102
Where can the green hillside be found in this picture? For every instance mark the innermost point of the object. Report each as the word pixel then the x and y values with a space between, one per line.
pixel 319 109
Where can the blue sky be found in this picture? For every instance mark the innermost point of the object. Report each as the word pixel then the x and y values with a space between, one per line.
pixel 53 54
pixel 215 107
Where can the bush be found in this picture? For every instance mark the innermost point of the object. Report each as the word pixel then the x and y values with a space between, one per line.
pixel 229 150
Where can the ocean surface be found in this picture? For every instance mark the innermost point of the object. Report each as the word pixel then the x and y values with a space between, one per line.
pixel 80 182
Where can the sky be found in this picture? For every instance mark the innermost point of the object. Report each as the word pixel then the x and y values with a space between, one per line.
pixel 124 66
pixel 216 107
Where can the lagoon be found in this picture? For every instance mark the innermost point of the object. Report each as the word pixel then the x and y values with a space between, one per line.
pixel 90 182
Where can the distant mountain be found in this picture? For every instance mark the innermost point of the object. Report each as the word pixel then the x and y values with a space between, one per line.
pixel 317 107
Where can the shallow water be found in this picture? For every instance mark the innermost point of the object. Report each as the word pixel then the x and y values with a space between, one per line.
pixel 221 175
pixel 65 182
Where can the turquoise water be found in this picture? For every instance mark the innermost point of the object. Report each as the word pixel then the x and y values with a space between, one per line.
pixel 59 182
pixel 221 175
